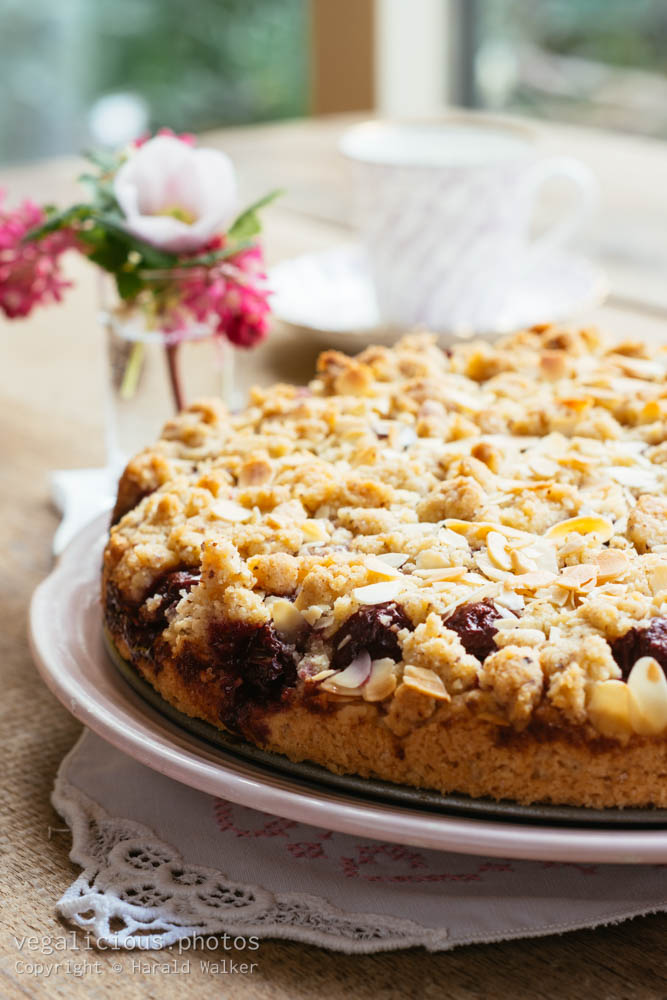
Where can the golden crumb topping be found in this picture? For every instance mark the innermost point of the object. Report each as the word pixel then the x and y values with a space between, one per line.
pixel 508 502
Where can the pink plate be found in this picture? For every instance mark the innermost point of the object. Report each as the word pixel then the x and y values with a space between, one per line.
pixel 66 640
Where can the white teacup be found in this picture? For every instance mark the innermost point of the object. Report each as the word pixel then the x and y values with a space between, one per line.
pixel 446 210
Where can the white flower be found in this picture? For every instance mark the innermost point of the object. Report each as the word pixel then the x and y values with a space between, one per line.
pixel 176 197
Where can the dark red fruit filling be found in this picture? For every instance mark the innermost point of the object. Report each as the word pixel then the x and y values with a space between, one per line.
pixel 138 626
pixel 257 664
pixel 372 628
pixel 474 625
pixel 638 642
pixel 169 588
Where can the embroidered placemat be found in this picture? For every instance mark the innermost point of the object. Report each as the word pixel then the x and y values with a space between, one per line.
pixel 162 862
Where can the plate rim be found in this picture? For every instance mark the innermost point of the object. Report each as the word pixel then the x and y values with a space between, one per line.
pixel 162 747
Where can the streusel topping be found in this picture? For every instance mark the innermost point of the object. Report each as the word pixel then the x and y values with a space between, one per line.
pixel 486 524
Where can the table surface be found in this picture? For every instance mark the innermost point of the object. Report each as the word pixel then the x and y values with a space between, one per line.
pixel 50 390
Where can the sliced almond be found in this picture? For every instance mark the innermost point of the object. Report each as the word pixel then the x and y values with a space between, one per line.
pixel 540 552
pixel 255 472
pixel 634 477
pixel 350 680
pixel 378 593
pixel 229 510
pixel 489 569
pixel 578 577
pixel 599 528
pixel 480 529
pixel 381 568
pixel 314 613
pixel 425 682
pixel 314 531
pixel 521 562
pixel 609 707
pixel 444 573
pixel 323 674
pixel 432 559
pixel 497 547
pixel 286 617
pixel 657 578
pixel 533 581
pixel 395 559
pixel 648 712
pixel 453 538
pixel 511 600
pixel 382 681
pixel 612 563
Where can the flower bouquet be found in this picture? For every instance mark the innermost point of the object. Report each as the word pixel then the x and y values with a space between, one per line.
pixel 162 221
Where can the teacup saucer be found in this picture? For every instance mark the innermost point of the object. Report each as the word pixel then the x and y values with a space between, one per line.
pixel 330 293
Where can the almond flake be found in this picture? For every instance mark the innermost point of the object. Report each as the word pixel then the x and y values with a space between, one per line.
pixel 432 559
pixel 314 531
pixel 648 713
pixel 229 510
pixel 533 581
pixel 496 546
pixel 381 568
pixel 382 681
pixel 378 593
pixel 598 527
pixel 425 682
pixel 489 569
pixel 286 617
pixel 609 707
pixel 443 573
pixel 395 559
pixel 578 577
pixel 657 578
pixel 612 563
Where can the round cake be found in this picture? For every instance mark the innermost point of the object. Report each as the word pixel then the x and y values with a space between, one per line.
pixel 445 568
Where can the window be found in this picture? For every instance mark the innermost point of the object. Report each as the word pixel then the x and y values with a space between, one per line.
pixel 82 72
pixel 593 62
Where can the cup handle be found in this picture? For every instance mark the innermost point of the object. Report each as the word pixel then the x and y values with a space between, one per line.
pixel 587 191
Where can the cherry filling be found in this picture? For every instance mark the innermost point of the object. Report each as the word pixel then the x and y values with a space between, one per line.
pixel 474 625
pixel 373 628
pixel 258 666
pixel 139 626
pixel 638 642
pixel 168 589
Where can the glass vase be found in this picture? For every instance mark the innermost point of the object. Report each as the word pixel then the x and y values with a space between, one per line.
pixel 151 374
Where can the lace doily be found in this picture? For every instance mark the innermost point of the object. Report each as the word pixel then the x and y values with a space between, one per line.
pixel 138 890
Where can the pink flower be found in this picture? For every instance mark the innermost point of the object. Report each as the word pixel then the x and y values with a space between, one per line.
pixel 189 138
pixel 176 197
pixel 29 272
pixel 230 297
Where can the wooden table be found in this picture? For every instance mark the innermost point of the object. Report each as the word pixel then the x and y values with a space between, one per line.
pixel 50 390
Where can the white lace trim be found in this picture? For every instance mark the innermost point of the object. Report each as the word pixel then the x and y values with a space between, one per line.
pixel 135 891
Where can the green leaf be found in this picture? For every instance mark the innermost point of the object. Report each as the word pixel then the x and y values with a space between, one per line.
pixel 151 256
pixel 59 220
pixel 208 259
pixel 108 162
pixel 129 284
pixel 247 224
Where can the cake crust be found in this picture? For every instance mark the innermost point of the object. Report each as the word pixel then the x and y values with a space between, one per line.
pixel 446 569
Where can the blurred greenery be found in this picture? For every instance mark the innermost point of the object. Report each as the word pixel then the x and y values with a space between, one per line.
pixel 193 65
pixel 599 62
pixel 620 32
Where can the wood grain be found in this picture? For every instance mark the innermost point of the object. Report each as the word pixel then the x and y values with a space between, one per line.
pixel 50 416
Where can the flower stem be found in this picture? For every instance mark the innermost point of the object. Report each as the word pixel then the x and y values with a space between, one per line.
pixel 175 376
pixel 130 380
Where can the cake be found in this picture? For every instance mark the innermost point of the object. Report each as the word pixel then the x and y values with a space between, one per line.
pixel 445 568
